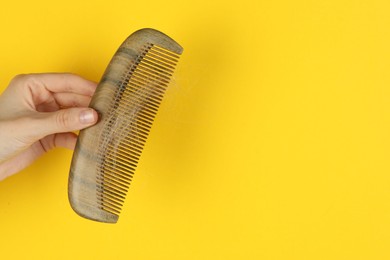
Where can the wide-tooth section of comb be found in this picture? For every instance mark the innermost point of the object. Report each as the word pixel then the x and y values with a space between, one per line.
pixel 127 98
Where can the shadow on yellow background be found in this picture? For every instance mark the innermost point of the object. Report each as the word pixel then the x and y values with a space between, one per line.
pixel 272 143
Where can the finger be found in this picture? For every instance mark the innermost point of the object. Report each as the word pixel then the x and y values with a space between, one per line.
pixel 61 121
pixel 65 140
pixel 72 100
pixel 63 100
pixel 58 82
pixel 33 90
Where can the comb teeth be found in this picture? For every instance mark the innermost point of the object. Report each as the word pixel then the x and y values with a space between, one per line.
pixel 139 95
pixel 128 98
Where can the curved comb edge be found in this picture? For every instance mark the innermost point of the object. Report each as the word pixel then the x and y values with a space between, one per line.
pixel 92 214
pixel 79 189
pixel 156 37
pixel 82 186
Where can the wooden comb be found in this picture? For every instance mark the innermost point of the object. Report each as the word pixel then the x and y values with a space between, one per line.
pixel 127 99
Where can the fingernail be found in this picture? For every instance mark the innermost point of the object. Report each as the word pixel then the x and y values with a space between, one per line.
pixel 87 117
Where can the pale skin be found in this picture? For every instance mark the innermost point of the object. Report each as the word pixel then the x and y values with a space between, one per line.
pixel 39 112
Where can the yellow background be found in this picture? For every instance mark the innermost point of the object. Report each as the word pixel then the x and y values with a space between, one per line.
pixel 272 142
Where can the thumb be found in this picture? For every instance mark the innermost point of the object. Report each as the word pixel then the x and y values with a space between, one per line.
pixel 64 120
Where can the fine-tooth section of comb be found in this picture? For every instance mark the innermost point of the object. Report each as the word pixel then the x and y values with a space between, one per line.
pixel 127 100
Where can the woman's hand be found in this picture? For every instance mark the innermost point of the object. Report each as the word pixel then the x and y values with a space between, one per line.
pixel 39 112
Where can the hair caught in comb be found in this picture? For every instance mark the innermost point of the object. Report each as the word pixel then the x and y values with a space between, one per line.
pixel 127 99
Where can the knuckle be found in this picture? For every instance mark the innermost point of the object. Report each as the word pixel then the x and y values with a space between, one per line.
pixel 25 80
pixel 63 119
pixel 19 78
